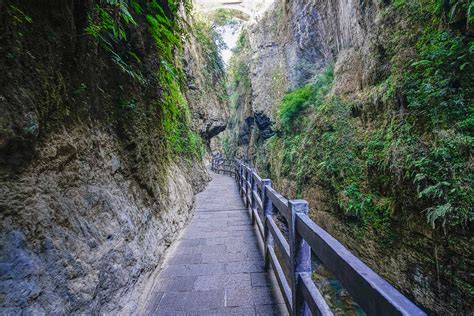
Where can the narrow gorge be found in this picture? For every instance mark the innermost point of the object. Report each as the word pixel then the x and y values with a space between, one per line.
pixel 112 111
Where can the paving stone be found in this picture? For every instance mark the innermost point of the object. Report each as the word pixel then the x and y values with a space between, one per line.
pixel 247 246
pixel 241 215
pixel 231 240
pixel 229 281
pixel 244 311
pixel 261 279
pixel 241 230
pixel 195 300
pixel 202 249
pixel 263 296
pixel 275 309
pixel 192 242
pixel 168 313
pixel 212 234
pixel 240 222
pixel 185 259
pixel 176 284
pixel 244 266
pixel 193 270
pixel 238 297
pixel 226 257
pixel 217 265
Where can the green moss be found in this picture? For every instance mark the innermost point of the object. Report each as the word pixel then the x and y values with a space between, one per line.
pixel 176 122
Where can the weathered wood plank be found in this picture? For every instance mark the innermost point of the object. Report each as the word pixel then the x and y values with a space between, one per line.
pixel 300 256
pixel 313 297
pixel 259 224
pixel 279 239
pixel 281 279
pixel 257 179
pixel 280 203
pixel 373 293
pixel 258 201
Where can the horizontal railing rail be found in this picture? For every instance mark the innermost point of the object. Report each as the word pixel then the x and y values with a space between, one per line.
pixel 223 166
pixel 291 259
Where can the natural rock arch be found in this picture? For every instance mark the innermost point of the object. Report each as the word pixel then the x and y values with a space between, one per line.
pixel 250 8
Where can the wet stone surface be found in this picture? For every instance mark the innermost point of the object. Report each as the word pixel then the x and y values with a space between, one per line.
pixel 216 267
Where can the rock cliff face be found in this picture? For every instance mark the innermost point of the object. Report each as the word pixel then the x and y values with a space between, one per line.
pixel 205 90
pixel 295 40
pixel 286 49
pixel 79 233
pixel 91 195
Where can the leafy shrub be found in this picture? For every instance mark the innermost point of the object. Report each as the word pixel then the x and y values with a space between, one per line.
pixel 311 94
pixel 439 87
pixel 443 177
pixel 294 103
pixel 212 43
pixel 437 137
pixel 223 17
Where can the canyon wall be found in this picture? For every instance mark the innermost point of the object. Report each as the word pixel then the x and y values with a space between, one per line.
pixel 332 152
pixel 92 188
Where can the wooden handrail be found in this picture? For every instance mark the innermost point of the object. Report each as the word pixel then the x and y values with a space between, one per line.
pixel 375 295
pixel 223 166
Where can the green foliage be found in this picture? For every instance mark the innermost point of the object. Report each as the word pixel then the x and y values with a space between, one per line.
pixel 421 159
pixel 418 158
pixel 110 23
pixel 436 140
pixel 329 152
pixel 444 178
pixel 447 11
pixel 242 42
pixel 176 120
pixel 311 94
pixel 228 152
pixel 211 42
pixel 18 15
pixel 239 72
pixel 130 104
pixel 107 25
pixel 223 17
pixel 440 84
pixel 166 32
pixel 294 103
pixel 18 23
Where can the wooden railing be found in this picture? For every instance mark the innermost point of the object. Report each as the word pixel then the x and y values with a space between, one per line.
pixel 375 295
pixel 223 166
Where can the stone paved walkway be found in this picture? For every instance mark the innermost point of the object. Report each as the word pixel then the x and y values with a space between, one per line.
pixel 216 267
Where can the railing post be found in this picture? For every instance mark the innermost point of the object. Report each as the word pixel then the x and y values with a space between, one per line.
pixel 267 210
pixel 253 205
pixel 237 171
pixel 246 187
pixel 249 187
pixel 249 198
pixel 241 185
pixel 244 181
pixel 300 258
